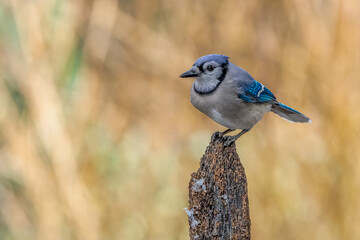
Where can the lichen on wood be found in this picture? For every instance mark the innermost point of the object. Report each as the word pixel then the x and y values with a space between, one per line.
pixel 218 195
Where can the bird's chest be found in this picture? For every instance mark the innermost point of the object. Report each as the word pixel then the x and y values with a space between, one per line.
pixel 218 106
pixel 206 103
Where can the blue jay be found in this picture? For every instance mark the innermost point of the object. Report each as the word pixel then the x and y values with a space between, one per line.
pixel 232 97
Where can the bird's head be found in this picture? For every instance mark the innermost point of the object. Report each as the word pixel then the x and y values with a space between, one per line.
pixel 209 71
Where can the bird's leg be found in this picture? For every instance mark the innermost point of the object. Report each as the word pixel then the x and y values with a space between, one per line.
pixel 227 131
pixel 228 140
pixel 220 134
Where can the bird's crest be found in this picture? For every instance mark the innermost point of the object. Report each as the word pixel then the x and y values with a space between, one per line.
pixel 221 59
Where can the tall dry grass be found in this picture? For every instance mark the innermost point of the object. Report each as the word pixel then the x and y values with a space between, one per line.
pixel 98 138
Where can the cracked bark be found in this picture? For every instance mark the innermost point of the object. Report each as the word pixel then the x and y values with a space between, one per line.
pixel 218 196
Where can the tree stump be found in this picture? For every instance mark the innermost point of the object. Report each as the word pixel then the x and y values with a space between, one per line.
pixel 218 195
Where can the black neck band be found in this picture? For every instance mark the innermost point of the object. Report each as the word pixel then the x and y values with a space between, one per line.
pixel 224 68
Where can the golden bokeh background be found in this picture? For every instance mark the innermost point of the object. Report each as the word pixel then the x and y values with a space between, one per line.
pixel 98 137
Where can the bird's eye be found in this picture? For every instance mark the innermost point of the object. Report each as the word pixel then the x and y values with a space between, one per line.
pixel 210 68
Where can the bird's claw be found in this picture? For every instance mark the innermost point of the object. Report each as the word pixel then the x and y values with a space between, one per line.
pixel 228 140
pixel 216 135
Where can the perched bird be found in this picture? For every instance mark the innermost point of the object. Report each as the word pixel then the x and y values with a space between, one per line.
pixel 232 97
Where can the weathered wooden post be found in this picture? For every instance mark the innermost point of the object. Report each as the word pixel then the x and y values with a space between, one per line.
pixel 218 195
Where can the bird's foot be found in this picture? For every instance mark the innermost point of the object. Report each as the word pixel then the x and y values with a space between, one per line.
pixel 228 140
pixel 220 135
pixel 217 135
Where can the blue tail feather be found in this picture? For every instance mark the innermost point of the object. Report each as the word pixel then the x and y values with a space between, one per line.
pixel 288 113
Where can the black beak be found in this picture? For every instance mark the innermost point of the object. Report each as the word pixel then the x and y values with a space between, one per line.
pixel 193 72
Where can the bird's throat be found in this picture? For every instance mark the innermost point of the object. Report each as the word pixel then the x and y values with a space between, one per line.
pixel 206 86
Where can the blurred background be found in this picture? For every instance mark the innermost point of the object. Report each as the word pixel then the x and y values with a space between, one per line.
pixel 98 137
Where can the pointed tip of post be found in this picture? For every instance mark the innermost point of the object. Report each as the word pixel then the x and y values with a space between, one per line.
pixel 217 139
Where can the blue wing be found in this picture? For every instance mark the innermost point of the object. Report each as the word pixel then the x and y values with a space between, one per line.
pixel 256 93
